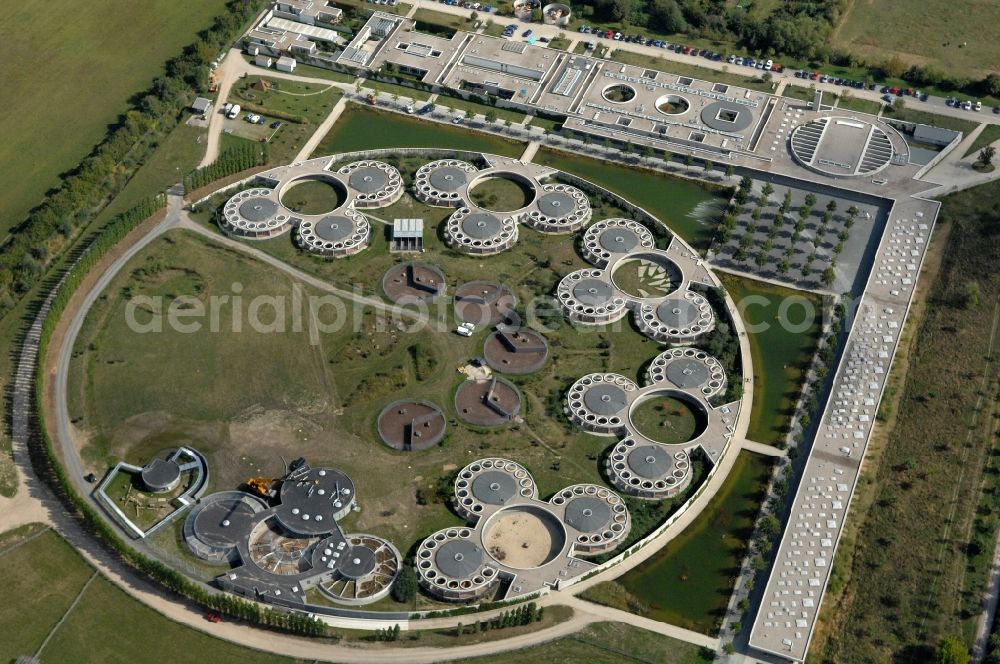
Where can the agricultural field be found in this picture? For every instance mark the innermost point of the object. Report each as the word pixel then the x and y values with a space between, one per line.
pixel 90 66
pixel 923 549
pixel 780 354
pixel 353 132
pixel 689 581
pixel 946 35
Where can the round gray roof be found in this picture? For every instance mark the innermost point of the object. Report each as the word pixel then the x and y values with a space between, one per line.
pixel 334 228
pixel 650 461
pixel 459 558
pixel 556 204
pixel 368 179
pixel 618 240
pixel 224 522
pixel 494 487
pixel 481 226
pixel 605 399
pixel 710 115
pixel 258 209
pixel 677 313
pixel 160 473
pixel 588 514
pixel 315 493
pixel 357 562
pixel 593 292
pixel 447 178
pixel 687 372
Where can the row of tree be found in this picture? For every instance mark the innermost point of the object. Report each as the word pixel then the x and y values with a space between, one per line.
pixel 232 160
pixel 83 193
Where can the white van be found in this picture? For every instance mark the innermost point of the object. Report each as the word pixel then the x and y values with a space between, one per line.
pixel 233 112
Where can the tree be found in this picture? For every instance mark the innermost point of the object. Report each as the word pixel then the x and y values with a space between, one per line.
pixel 951 650
pixel 767 190
pixel 783 266
pixel 898 105
pixel 746 183
pixel 829 276
pixel 645 151
pixel 405 587
pixel 469 114
pixel 894 67
pixel 491 116
pixel 831 207
pixel 666 16
pixel 730 170
pixel 473 16
pixel 688 161
pixel 972 294
pixel 709 165
pixel 986 155
pixel 991 85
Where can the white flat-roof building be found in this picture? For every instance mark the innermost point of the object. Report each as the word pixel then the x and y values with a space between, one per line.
pixel 286 63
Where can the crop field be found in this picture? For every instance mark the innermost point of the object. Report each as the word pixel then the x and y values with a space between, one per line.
pixel 780 352
pixel 948 35
pixel 689 581
pixel 246 397
pixel 923 550
pixel 68 74
pixel 353 131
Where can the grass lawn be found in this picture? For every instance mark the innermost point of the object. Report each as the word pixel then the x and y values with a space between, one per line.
pixel 689 581
pixel 668 420
pixel 560 44
pixel 798 92
pixel 880 29
pixel 363 128
pixel 549 124
pixel 688 209
pixel 643 278
pixel 908 114
pixel 501 195
pixel 606 643
pixel 852 103
pixel 303 69
pixel 779 354
pixel 428 20
pixel 934 505
pixel 753 82
pixel 85 65
pixel 313 197
pixel 989 134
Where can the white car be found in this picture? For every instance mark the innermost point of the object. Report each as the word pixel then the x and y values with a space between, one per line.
pixel 979 105
pixel 768 64
pixel 409 109
pixel 465 329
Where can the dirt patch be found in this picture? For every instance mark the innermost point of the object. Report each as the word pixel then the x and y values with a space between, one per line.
pixel 523 539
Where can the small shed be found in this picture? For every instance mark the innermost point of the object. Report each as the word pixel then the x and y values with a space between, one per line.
pixel 407 235
pixel 286 63
pixel 201 105
pixel 263 60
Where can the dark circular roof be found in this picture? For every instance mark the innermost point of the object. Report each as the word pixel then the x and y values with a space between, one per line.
pixel 618 240
pixel 593 292
pixel 677 313
pixel 556 204
pixel 687 372
pixel 357 562
pixel 481 225
pixel 160 473
pixel 459 558
pixel 258 209
pixel 494 487
pixel 315 494
pixel 588 514
pixel 224 522
pixel 334 228
pixel 605 399
pixel 447 178
pixel 710 116
pixel 650 461
pixel 368 179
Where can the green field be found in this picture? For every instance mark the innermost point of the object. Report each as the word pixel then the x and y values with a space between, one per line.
pixel 313 197
pixel 779 355
pixel 84 67
pixel 501 195
pixel 852 103
pixel 353 131
pixel 689 581
pixel 668 420
pixel 880 29
pixel 688 209
pixel 989 134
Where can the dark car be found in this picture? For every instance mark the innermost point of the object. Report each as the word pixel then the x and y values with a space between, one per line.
pixel 275 124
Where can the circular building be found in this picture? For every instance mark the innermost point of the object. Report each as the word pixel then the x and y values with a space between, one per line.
pixel 559 209
pixel 161 475
pixel 841 147
pixel 255 214
pixel 615 237
pixel 518 351
pixel 648 470
pixel 312 501
pixel 484 302
pixel 372 184
pixel 480 233
pixel 411 425
pixel 413 282
pixel 688 369
pixel 588 296
pixel 524 536
pixel 341 234
pixel 451 564
pixel 439 182
pixel 215 527
pixel 597 515
pixel 487 403
pixel 676 319
pixel 363 569
pixel 599 403
pixel 556 14
pixel 493 483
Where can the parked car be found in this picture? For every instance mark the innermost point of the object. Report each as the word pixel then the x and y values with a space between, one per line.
pixel 979 105
pixel 887 99
pixel 276 124
pixel 996 110
pixel 526 33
